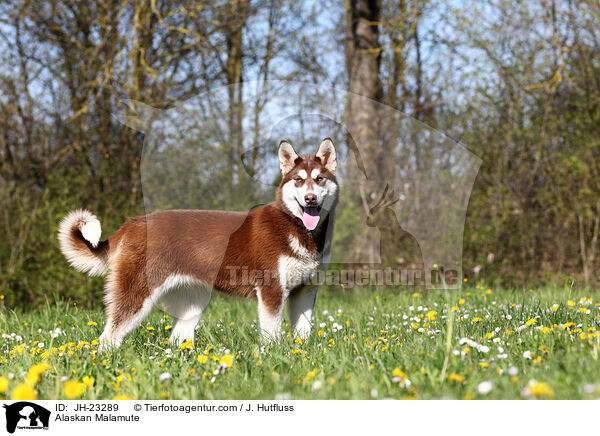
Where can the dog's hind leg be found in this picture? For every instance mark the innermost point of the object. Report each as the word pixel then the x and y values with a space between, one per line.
pixel 187 305
pixel 128 302
pixel 119 326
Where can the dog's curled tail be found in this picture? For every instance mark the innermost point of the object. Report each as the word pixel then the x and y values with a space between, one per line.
pixel 79 238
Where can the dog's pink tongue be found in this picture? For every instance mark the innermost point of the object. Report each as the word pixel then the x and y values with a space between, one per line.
pixel 310 217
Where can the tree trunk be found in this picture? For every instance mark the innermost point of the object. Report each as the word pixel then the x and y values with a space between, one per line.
pixel 363 57
pixel 237 14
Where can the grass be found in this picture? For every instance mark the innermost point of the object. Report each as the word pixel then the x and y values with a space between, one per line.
pixel 365 344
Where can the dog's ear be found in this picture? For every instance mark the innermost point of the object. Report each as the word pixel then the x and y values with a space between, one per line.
pixel 287 156
pixel 326 153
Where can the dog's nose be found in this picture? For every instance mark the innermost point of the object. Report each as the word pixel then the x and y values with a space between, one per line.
pixel 310 199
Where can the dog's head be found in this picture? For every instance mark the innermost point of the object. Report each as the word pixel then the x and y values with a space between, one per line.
pixel 308 188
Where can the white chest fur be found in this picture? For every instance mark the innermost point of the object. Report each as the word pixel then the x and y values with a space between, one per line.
pixel 297 269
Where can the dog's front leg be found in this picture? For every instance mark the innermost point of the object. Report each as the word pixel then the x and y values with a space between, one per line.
pixel 300 306
pixel 270 308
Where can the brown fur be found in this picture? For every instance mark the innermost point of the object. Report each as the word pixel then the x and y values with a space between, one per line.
pixel 205 245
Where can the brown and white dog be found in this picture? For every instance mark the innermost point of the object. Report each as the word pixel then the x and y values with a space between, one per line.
pixel 173 259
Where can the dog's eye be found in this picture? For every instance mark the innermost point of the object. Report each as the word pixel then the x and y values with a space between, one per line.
pixel 320 178
pixel 297 179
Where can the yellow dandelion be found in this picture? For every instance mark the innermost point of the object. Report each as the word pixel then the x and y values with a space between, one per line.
pixel 298 340
pixel 477 319
pixel 186 345
pixel 541 390
pixel 469 396
pixel 3 385
pixel 23 392
pixel 92 323
pixel 530 322
pixel 311 374
pixel 297 352
pixel 456 378
pixel 74 389
pixel 122 397
pixel 88 381
pixel 399 373
pixel 202 358
pixel 227 360
pixel 35 373
pixel 431 315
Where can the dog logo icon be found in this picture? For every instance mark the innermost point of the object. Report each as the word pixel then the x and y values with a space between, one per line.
pixel 26 415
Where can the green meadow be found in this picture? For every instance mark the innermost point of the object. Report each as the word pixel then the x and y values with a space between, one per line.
pixel 476 343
